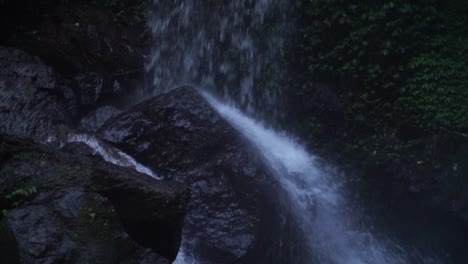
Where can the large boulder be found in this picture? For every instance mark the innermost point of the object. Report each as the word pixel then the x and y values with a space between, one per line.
pixel 232 217
pixel 73 226
pixel 34 101
pixel 70 206
pixel 94 120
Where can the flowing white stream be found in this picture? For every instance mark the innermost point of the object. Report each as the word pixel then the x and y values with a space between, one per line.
pixel 111 154
pixel 315 195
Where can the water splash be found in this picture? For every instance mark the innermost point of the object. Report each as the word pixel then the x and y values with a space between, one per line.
pixel 315 196
pixel 111 154
pixel 183 258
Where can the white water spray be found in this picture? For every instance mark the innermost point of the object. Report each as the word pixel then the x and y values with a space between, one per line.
pixel 110 154
pixel 316 197
pixel 182 257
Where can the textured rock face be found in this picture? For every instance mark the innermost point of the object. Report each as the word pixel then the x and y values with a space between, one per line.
pixel 94 120
pixel 72 207
pixel 72 226
pixel 181 138
pixel 68 205
pixel 152 212
pixel 34 102
pixel 102 53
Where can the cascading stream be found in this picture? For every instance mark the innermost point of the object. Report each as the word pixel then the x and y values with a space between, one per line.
pixel 236 49
pixel 315 197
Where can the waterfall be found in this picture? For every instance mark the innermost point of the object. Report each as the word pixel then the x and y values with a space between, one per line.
pixel 233 47
pixel 236 49
pixel 315 196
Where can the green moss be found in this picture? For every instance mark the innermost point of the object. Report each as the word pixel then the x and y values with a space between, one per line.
pixel 21 195
pixel 22 192
pixel 95 221
pixel 145 189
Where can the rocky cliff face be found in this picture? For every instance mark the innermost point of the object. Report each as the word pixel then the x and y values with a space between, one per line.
pixel 70 205
pixel 34 101
pixel 100 50
pixel 79 207
pixel 61 202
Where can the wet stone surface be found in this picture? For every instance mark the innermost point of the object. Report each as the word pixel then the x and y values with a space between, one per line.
pixel 182 138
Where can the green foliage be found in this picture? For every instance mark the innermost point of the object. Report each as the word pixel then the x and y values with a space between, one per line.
pixel 91 214
pixel 22 192
pixel 406 61
pixel 437 92
pixel 96 221
pixel 145 189
pixel 20 195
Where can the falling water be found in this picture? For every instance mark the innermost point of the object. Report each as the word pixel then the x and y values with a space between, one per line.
pixel 316 198
pixel 236 49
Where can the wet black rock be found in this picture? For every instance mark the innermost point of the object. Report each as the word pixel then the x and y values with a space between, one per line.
pixel 231 218
pixel 152 211
pixel 73 226
pixel 90 88
pixel 94 120
pixel 78 208
pixel 73 207
pixel 91 44
pixel 34 101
